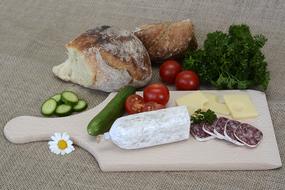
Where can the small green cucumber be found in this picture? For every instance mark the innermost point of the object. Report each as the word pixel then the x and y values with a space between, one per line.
pixel 103 121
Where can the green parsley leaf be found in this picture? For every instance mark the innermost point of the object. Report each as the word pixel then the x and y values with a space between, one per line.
pixel 231 61
pixel 200 116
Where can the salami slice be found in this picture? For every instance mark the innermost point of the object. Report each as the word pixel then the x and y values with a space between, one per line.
pixel 229 132
pixel 199 134
pixel 209 128
pixel 220 127
pixel 248 134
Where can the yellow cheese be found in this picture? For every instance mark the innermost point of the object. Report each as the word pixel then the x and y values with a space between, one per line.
pixel 219 108
pixel 213 104
pixel 211 97
pixel 240 106
pixel 193 101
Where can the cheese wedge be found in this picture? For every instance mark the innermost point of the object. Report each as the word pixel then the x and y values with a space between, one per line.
pixel 193 101
pixel 240 106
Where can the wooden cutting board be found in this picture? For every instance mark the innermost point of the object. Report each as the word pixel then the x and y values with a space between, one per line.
pixel 185 155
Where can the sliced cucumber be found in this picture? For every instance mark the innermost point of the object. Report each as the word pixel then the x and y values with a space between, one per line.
pixel 80 106
pixel 48 107
pixel 63 104
pixel 63 110
pixel 57 98
pixel 69 98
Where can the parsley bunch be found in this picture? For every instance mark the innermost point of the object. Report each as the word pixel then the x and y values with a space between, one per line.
pixel 231 61
pixel 200 116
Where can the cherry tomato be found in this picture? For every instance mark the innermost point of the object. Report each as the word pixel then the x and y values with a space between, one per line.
pixel 187 80
pixel 168 71
pixel 156 92
pixel 134 104
pixel 150 106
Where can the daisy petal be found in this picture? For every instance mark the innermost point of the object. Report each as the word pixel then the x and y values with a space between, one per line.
pixel 52 143
pixel 68 151
pixel 69 142
pixel 65 136
pixel 57 136
pixel 54 146
pixel 57 151
pixel 53 138
pixel 53 151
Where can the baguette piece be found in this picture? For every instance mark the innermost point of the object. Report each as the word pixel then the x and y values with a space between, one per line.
pixel 106 58
pixel 168 39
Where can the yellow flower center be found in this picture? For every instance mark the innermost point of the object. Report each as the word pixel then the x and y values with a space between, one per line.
pixel 62 144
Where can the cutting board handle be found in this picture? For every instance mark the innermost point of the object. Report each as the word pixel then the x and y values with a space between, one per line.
pixel 19 129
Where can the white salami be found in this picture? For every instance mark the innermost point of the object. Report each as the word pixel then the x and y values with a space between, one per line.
pixel 220 127
pixel 248 135
pixel 230 128
pixel 151 128
pixel 199 134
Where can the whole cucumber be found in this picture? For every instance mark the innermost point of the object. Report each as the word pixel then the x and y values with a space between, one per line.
pixel 103 121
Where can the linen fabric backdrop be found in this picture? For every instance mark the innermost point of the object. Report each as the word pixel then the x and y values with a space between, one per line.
pixel 33 34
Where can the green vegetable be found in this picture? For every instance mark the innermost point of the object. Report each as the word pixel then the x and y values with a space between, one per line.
pixel 57 98
pixel 48 107
pixel 103 121
pixel 63 104
pixel 63 110
pixel 69 98
pixel 80 106
pixel 231 61
pixel 200 116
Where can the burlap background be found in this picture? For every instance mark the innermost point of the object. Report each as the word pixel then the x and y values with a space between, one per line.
pixel 32 35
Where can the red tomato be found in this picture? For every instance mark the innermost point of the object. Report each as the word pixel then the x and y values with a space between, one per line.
pixel 134 104
pixel 150 106
pixel 168 71
pixel 157 92
pixel 187 80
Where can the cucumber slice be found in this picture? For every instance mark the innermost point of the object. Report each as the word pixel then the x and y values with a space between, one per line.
pixel 57 98
pixel 80 106
pixel 63 110
pixel 48 107
pixel 69 98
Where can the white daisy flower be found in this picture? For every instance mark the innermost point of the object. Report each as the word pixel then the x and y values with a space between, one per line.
pixel 61 144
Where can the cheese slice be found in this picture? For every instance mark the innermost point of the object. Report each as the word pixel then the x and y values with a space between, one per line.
pixel 218 108
pixel 211 97
pixel 240 106
pixel 193 101
pixel 213 104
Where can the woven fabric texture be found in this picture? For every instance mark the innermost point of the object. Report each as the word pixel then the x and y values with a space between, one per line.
pixel 33 34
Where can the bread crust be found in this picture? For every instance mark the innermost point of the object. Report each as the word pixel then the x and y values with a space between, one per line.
pixel 168 39
pixel 110 58
pixel 119 48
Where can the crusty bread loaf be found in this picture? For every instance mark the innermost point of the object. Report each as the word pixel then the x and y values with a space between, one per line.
pixel 168 39
pixel 106 58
